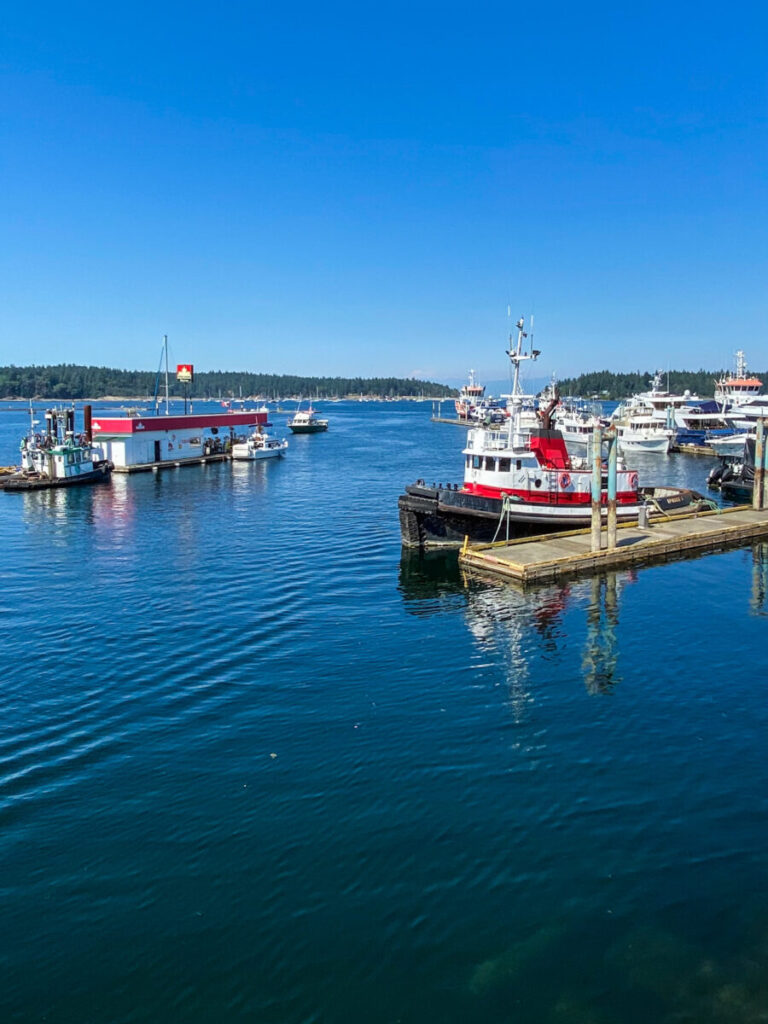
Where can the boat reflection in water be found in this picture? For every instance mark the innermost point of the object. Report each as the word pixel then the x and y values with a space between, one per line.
pixel 520 625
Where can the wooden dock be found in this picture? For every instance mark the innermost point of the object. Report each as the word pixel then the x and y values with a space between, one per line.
pixel 145 467
pixel 552 556
pixel 455 422
pixel 693 449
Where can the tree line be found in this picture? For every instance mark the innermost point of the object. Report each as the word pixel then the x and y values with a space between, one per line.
pixel 617 386
pixel 69 380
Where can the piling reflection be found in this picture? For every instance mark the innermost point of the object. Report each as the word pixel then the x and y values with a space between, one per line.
pixel 757 604
pixel 522 625
pixel 601 650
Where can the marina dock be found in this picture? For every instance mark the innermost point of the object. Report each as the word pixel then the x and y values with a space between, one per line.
pixel 553 556
pixel 144 467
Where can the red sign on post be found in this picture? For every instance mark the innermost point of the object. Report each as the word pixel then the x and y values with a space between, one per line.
pixel 185 373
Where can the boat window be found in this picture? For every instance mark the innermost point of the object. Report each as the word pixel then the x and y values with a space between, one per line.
pixel 519 464
pixel 70 458
pixel 469 461
pixel 477 462
pixel 504 465
pixel 490 464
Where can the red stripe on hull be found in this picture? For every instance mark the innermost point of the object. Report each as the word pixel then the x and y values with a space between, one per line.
pixel 548 497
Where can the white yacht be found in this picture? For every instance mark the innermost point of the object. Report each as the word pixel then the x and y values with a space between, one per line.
pixel 639 429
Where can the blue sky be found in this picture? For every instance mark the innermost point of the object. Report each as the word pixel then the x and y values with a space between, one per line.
pixel 349 189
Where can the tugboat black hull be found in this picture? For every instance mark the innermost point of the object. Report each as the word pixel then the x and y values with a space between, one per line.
pixel 30 482
pixel 435 517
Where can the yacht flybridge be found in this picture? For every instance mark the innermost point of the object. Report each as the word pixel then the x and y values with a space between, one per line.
pixel 520 479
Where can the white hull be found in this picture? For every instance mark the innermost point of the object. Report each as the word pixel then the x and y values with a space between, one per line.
pixel 254 456
pixel 648 445
pixel 732 445
pixel 258 447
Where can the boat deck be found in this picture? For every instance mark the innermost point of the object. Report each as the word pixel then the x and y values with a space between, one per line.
pixel 567 554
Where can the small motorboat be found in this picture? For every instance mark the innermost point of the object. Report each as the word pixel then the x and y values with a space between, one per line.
pixel 259 446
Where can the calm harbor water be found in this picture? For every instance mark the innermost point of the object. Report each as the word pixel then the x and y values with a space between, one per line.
pixel 256 763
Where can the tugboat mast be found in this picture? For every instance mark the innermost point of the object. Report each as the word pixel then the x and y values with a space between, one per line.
pixel 517 356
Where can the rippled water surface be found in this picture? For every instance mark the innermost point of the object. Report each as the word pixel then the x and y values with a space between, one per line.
pixel 258 764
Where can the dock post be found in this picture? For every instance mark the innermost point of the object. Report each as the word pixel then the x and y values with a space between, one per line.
pixel 610 436
pixel 757 487
pixel 597 480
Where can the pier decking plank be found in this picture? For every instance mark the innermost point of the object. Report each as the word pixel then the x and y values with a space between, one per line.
pixel 550 556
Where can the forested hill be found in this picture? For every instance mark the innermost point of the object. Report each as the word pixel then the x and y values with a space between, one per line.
pixel 605 384
pixel 69 381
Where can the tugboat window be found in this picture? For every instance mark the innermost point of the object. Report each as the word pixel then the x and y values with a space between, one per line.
pixel 477 461
pixel 504 465
pixel 490 464
pixel 519 464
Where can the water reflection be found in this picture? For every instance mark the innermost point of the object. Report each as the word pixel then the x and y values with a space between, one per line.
pixel 600 650
pixel 759 578
pixel 519 624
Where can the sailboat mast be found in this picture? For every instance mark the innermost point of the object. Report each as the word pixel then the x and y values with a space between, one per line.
pixel 165 346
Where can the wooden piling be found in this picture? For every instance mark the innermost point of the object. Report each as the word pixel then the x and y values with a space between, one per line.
pixel 597 489
pixel 610 436
pixel 757 486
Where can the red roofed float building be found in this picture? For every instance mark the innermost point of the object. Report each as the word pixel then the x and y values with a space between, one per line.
pixel 137 442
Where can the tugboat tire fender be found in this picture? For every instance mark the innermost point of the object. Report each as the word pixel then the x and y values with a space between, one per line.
pixel 633 481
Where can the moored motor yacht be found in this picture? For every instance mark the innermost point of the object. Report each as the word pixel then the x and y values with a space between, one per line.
pixel 305 421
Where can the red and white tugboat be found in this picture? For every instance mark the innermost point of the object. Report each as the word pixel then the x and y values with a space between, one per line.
pixel 519 481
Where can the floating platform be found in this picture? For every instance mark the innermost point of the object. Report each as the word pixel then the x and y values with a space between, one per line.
pixel 144 467
pixel 552 556
pixel 455 421
pixel 693 449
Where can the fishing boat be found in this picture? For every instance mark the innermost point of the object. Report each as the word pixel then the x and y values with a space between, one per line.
pixel 305 421
pixel 259 446
pixel 59 457
pixel 519 482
